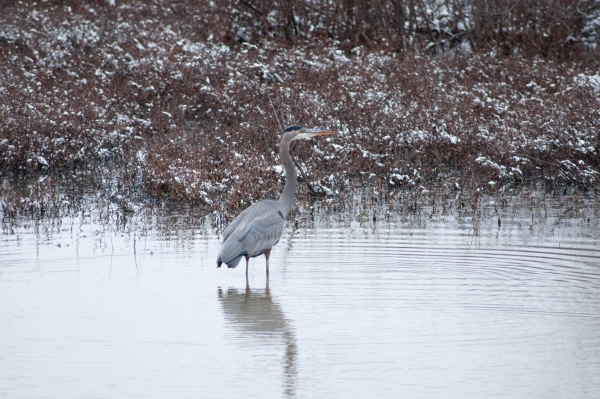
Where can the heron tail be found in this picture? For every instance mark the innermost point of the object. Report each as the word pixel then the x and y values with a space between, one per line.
pixel 230 253
pixel 234 262
pixel 230 264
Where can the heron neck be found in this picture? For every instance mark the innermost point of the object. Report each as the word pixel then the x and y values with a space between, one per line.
pixel 289 192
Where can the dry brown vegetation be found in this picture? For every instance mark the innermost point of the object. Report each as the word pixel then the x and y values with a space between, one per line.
pixel 174 99
pixel 551 28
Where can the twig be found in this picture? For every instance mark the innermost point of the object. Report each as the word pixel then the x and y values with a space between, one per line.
pixel 310 187
pixel 251 6
pixel 275 112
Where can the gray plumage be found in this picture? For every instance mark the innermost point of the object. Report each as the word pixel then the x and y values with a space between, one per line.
pixel 258 228
pixel 255 230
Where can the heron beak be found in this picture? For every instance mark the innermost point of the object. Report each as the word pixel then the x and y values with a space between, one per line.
pixel 312 133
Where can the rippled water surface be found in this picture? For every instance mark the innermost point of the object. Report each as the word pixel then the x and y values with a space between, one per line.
pixel 408 306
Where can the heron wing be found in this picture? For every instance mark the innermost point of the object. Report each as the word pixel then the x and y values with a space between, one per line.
pixel 247 216
pixel 252 232
pixel 262 234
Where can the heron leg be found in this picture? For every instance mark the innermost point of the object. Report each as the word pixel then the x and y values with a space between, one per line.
pixel 267 254
pixel 247 259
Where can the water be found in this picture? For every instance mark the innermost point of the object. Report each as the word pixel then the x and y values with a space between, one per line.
pixel 410 306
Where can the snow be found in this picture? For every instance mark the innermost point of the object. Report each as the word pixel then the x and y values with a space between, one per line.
pixel 175 92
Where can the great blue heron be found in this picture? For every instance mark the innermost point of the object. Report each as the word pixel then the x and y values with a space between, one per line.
pixel 258 228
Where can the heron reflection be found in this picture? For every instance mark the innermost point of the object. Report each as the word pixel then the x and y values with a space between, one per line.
pixel 254 311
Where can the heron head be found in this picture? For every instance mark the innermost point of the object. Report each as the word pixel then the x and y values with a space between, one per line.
pixel 299 132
